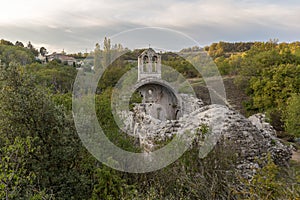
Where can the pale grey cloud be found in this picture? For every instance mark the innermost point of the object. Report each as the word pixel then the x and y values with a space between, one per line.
pixel 76 25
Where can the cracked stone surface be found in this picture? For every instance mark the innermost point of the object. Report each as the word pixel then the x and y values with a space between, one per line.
pixel 253 138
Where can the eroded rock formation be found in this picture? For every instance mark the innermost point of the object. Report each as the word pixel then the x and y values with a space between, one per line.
pixel 164 114
pixel 252 139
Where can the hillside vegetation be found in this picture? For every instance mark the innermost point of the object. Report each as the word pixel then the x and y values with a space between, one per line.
pixel 42 157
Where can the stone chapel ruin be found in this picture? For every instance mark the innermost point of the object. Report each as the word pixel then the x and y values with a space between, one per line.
pixel 164 112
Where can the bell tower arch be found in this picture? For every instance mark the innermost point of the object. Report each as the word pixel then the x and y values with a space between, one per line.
pixel 149 65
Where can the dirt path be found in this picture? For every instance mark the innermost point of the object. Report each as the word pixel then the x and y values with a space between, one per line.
pixel 235 96
pixel 296 156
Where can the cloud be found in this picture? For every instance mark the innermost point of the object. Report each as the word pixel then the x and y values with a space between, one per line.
pixel 78 13
pixel 76 24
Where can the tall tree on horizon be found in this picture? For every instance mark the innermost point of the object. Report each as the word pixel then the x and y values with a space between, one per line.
pixel 43 51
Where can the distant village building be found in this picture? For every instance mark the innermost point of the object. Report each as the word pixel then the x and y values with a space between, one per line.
pixel 41 58
pixel 63 58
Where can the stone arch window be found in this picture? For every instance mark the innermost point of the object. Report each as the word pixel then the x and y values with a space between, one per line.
pixel 158 112
pixel 154 62
pixel 150 95
pixel 145 59
pixel 145 62
pixel 154 59
pixel 177 114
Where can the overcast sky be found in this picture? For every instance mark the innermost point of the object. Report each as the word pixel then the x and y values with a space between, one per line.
pixel 76 25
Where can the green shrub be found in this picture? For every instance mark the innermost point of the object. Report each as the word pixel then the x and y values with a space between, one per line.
pixel 292 115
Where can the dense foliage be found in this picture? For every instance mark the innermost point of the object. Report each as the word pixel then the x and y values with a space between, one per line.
pixel 60 78
pixel 17 54
pixel 41 156
pixel 269 72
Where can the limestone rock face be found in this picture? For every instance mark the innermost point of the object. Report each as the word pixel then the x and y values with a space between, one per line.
pixel 252 138
pixel 259 120
pixel 280 153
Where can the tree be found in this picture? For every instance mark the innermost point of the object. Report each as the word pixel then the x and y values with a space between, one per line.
pixel 6 42
pixel 19 44
pixel 29 45
pixel 15 180
pixel 109 185
pixel 15 54
pixel 269 72
pixel 292 115
pixel 263 56
pixel 107 45
pixel 43 51
pixel 97 57
pixel 54 75
pixel 106 52
pixel 27 110
pixel 270 182
pixel 32 49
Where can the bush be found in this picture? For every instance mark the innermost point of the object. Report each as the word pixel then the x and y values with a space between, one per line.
pixel 292 115
pixel 271 182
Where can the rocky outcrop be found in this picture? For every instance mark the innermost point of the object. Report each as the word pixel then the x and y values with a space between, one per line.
pixel 280 152
pixel 252 138
pixel 259 120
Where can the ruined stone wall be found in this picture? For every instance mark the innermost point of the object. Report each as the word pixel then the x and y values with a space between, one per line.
pixel 252 138
pixel 159 101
